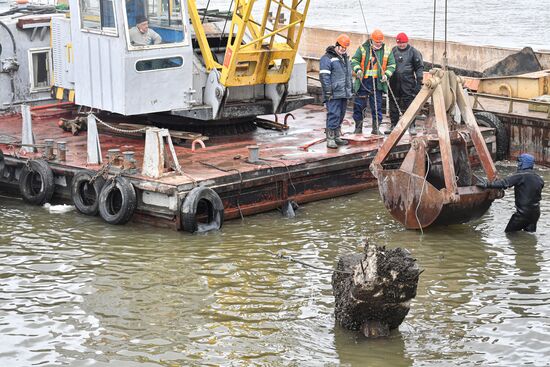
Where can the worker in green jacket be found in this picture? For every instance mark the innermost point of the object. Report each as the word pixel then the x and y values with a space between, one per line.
pixel 373 64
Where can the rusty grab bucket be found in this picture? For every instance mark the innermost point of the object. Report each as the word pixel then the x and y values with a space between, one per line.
pixel 435 183
pixel 416 203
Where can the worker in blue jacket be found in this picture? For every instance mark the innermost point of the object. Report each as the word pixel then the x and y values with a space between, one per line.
pixel 527 190
pixel 335 77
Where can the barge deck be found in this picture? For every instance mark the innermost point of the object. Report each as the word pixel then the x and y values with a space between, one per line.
pixel 294 165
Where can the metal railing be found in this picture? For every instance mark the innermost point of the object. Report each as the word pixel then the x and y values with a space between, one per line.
pixel 510 100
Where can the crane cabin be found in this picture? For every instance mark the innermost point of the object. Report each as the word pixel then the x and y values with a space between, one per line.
pixel 135 57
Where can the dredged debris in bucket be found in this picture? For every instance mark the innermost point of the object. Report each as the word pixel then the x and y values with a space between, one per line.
pixel 373 290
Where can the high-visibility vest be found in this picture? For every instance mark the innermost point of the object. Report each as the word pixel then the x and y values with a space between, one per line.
pixel 373 72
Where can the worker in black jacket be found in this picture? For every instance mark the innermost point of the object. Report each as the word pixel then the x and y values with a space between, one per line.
pixel 406 81
pixel 527 190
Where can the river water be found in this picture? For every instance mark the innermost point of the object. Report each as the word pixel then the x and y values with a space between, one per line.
pixel 511 23
pixel 77 292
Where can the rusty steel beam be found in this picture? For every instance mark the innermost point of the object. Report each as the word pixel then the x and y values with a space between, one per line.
pixel 442 126
pixel 399 130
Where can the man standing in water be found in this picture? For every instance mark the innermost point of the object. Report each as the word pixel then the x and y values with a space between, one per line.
pixel 407 79
pixel 373 63
pixel 335 77
pixel 527 191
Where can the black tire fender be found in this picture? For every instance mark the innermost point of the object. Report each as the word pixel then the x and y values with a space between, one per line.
pixel 488 119
pixel 117 201
pixel 36 184
pixel 85 194
pixel 2 163
pixel 205 202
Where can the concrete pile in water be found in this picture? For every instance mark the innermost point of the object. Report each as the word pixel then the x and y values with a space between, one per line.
pixel 373 290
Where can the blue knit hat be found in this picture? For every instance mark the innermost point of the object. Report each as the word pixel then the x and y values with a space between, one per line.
pixel 526 161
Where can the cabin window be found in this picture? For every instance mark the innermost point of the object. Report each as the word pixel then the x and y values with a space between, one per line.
pixel 98 15
pixel 158 64
pixel 40 69
pixel 154 23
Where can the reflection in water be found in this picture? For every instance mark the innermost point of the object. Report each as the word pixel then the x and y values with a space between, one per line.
pixel 76 291
pixel 355 350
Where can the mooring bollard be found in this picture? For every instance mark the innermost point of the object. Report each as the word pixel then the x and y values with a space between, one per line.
pixel 48 149
pixel 62 150
pixel 129 162
pixel 113 156
pixel 253 153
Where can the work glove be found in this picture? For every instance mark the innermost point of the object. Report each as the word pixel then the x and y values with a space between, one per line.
pixel 359 74
pixel 384 78
pixel 328 96
pixel 418 86
pixel 483 183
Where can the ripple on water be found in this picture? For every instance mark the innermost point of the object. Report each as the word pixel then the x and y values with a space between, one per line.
pixel 82 292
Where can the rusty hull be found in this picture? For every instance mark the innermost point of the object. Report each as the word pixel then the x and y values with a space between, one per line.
pixel 529 131
pixel 285 171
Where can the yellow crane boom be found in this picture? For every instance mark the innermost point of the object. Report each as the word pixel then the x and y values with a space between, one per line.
pixel 256 53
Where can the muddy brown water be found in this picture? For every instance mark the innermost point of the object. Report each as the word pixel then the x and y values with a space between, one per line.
pixel 75 291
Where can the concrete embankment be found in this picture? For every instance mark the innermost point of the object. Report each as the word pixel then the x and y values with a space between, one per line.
pixel 469 57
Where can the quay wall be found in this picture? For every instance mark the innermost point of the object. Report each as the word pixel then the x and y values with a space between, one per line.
pixel 476 58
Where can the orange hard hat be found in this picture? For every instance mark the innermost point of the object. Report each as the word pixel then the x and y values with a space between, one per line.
pixel 343 40
pixel 377 36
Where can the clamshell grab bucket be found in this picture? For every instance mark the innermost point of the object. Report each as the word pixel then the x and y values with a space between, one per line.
pixel 435 183
pixel 416 203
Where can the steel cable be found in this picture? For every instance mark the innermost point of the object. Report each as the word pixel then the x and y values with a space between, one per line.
pixel 377 61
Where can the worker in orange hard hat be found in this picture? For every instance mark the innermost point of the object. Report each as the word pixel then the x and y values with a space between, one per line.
pixel 343 40
pixel 406 81
pixel 335 77
pixel 373 64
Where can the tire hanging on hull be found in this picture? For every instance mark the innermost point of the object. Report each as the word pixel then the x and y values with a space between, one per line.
pixel 2 163
pixel 117 201
pixel 85 191
pixel 202 211
pixel 36 182
pixel 487 119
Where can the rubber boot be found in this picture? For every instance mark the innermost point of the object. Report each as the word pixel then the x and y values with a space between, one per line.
pixel 412 129
pixel 358 127
pixel 392 126
pixel 339 141
pixel 330 139
pixel 375 130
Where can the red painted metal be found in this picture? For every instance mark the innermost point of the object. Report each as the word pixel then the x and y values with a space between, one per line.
pixel 53 105
pixel 284 172
pixel 227 153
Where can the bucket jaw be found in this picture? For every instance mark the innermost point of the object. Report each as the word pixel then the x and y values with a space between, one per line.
pixel 435 183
